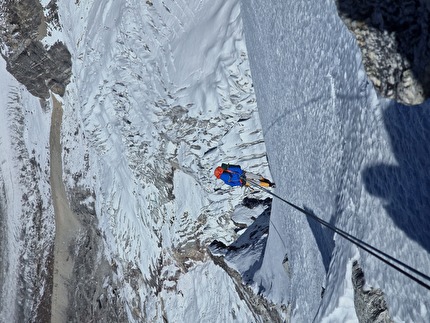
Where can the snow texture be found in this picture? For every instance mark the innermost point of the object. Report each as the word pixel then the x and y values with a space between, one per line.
pixel 334 147
pixel 26 212
pixel 162 93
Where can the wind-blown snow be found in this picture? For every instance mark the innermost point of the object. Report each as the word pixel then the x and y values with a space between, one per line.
pixel 356 161
pixel 161 93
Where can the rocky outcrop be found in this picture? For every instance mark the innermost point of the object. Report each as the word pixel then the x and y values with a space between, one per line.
pixel 394 40
pixel 40 68
pixel 254 238
pixel 370 304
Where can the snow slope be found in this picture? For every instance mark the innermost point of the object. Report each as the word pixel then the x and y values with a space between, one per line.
pixel 161 92
pixel 26 212
pixel 356 161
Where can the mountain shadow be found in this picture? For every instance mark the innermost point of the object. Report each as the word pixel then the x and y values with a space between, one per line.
pixel 324 238
pixel 406 187
pixel 408 20
pixel 250 246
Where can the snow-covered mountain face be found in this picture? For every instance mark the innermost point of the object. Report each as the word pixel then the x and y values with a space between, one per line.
pixel 26 215
pixel 160 94
pixel 334 148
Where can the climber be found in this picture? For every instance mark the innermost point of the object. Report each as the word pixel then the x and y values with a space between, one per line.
pixel 233 175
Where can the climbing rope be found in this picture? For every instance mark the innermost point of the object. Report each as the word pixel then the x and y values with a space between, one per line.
pixel 359 243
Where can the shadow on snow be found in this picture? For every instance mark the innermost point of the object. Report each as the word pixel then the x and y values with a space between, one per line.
pixel 406 187
pixel 324 238
pixel 247 252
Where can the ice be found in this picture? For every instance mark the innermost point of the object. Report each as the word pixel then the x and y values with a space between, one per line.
pixel 162 93
pixel 337 149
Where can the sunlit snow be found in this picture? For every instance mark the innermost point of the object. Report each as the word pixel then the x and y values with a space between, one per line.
pixel 161 93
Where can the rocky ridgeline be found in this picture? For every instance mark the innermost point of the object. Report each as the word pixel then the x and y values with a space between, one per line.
pixel 33 64
pixel 394 41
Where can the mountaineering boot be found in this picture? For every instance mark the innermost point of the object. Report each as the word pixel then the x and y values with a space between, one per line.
pixel 266 183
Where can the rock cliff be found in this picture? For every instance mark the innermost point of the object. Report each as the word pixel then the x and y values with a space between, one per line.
pixel 370 304
pixel 39 67
pixel 394 41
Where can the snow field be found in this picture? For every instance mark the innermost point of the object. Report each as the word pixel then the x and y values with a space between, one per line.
pixel 160 95
pixel 8 206
pixel 325 131
pixel 25 197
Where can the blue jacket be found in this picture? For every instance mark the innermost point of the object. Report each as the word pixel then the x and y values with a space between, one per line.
pixel 231 176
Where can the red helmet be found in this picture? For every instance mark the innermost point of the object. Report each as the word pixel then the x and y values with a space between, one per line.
pixel 218 171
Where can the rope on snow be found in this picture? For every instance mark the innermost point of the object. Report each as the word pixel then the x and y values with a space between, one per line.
pixel 384 257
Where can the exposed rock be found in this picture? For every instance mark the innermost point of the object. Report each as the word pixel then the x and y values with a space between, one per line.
pixel 225 256
pixel 370 304
pixel 263 310
pixel 38 67
pixel 94 289
pixel 394 41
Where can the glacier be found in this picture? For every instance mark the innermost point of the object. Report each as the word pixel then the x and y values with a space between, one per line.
pixel 163 92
